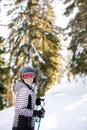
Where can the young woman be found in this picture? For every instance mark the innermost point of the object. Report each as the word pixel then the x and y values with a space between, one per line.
pixel 25 101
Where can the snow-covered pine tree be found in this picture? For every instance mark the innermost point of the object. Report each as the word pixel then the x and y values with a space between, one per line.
pixel 3 77
pixel 33 40
pixel 78 33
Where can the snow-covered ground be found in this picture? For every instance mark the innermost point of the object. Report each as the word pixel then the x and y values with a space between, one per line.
pixel 66 108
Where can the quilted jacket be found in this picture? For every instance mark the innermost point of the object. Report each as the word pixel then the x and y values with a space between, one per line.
pixel 25 104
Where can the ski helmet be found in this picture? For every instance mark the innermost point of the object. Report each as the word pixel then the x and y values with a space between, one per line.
pixel 26 70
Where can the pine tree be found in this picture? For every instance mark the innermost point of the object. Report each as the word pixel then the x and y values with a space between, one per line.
pixel 33 40
pixel 78 27
pixel 3 71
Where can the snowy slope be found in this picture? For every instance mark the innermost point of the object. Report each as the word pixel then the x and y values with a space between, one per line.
pixel 66 108
pixel 6 118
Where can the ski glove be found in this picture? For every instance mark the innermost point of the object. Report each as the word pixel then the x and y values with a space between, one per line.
pixel 39 113
pixel 38 101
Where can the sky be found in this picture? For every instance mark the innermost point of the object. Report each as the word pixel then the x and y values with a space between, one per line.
pixel 60 19
pixel 65 106
pixel 3 19
pixel 59 8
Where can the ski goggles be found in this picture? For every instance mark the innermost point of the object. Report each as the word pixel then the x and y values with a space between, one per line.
pixel 28 75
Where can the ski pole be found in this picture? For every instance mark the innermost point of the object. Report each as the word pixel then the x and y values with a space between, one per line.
pixel 39 124
pixel 35 117
pixel 42 115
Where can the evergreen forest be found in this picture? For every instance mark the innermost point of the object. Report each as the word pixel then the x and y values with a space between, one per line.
pixel 33 39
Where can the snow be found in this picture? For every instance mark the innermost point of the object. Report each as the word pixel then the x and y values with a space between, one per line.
pixel 65 105
pixel 37 54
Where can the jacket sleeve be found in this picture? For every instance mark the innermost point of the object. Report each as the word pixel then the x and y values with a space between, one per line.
pixel 22 102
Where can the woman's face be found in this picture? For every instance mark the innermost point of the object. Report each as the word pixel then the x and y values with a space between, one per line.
pixel 28 77
pixel 28 81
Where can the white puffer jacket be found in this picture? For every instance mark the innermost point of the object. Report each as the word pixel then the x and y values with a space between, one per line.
pixel 24 106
